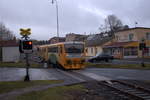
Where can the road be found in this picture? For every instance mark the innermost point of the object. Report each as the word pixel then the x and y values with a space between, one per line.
pixel 124 62
pixel 15 74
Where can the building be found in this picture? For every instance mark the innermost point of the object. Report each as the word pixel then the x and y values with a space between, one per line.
pixel 54 40
pixel 9 51
pixel 95 43
pixel 75 37
pixel 126 44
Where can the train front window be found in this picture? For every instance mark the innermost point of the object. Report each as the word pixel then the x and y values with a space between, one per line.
pixel 74 48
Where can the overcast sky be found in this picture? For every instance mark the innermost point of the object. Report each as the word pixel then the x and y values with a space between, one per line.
pixel 76 16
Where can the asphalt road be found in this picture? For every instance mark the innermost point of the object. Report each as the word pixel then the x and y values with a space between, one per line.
pixel 123 62
pixel 15 74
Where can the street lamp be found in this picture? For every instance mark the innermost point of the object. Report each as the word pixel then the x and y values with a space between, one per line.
pixel 57 19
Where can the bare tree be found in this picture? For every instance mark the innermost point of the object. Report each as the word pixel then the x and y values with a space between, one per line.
pixel 113 23
pixel 5 33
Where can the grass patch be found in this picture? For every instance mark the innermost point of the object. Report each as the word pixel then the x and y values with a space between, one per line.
pixel 56 93
pixel 126 66
pixel 18 64
pixel 10 86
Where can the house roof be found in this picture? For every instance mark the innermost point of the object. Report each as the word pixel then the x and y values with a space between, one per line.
pixel 122 44
pixel 133 29
pixel 9 43
pixel 97 40
pixel 61 39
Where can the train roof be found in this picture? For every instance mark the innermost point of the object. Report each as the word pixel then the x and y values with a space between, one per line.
pixel 72 42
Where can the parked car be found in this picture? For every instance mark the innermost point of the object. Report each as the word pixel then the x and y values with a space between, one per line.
pixel 101 57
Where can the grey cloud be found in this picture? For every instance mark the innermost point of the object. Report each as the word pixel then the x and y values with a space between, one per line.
pixel 40 15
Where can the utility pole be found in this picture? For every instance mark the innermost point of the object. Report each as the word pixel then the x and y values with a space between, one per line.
pixel 57 18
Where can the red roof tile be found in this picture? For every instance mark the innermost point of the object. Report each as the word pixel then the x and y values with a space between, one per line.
pixel 10 43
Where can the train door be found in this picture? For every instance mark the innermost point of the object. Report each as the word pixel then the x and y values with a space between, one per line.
pixel 61 55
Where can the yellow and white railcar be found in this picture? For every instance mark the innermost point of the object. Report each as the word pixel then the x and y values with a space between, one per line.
pixel 68 55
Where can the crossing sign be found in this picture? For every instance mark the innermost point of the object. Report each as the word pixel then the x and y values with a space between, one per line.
pixel 24 32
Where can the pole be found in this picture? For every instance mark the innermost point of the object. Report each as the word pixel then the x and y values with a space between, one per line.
pixel 143 65
pixel 27 78
pixel 57 21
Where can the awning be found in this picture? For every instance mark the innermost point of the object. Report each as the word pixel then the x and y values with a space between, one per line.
pixel 122 44
pixel 132 44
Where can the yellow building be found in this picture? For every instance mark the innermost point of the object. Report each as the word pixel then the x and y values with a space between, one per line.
pixel 127 41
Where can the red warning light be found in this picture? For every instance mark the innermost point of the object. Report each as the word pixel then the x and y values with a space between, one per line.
pixel 30 43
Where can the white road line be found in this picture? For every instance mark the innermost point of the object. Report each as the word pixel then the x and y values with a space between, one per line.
pixel 94 76
pixel 71 75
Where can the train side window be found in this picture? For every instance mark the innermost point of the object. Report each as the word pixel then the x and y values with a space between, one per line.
pixel 53 49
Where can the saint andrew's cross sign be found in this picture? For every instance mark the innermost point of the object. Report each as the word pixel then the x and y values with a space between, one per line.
pixel 25 32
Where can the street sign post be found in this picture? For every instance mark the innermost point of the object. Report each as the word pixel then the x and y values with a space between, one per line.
pixel 25 47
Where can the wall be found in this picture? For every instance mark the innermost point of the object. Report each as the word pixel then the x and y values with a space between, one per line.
pixel 138 35
pixel 90 53
pixel 123 36
pixel 10 54
pixel 142 33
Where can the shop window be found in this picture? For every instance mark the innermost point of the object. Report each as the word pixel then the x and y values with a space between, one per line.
pixel 132 51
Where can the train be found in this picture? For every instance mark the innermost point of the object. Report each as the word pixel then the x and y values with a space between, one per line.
pixel 65 55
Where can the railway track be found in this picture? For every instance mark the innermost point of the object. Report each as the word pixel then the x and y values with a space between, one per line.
pixel 123 89
pixel 126 89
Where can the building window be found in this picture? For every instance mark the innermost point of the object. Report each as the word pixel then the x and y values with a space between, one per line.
pixel 92 50
pixel 131 37
pixel 131 51
pixel 95 50
pixel 117 38
pixel 148 36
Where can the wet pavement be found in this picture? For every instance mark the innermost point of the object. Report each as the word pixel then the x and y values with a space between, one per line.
pixel 16 74
pixel 115 74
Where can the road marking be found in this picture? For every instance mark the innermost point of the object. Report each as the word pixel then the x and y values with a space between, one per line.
pixel 77 78
pixel 94 76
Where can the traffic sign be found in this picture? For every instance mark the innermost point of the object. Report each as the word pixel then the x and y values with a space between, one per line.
pixel 24 32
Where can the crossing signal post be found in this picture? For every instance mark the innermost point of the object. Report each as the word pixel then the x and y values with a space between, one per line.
pixel 26 47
